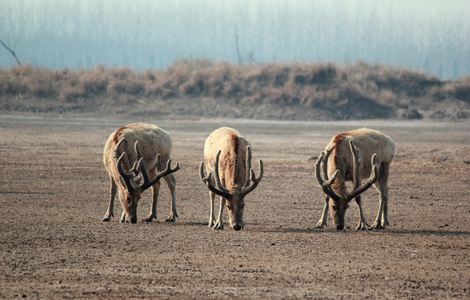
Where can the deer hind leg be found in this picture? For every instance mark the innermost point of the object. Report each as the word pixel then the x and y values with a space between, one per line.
pixel 171 182
pixel 219 225
pixel 381 221
pixel 211 215
pixel 384 190
pixel 110 211
pixel 324 216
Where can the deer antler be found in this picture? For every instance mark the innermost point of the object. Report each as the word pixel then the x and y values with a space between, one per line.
pixel 251 181
pixel 326 182
pixel 373 175
pixel 221 190
pixel 138 166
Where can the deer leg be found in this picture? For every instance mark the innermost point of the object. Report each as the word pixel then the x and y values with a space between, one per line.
pixel 362 222
pixel 171 182
pixel 220 224
pixel 109 212
pixel 385 222
pixel 211 215
pixel 123 217
pixel 324 216
pixel 384 190
pixel 153 210
pixel 380 222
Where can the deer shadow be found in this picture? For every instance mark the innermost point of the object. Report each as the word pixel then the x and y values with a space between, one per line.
pixel 425 232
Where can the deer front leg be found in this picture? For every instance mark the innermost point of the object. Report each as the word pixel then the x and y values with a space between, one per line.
pixel 153 210
pixel 362 222
pixel 322 222
pixel 123 217
pixel 211 215
pixel 109 212
pixel 171 182
pixel 219 225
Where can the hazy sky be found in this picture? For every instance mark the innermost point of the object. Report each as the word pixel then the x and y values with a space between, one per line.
pixel 433 36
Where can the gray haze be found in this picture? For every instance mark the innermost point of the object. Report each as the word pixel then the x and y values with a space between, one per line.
pixel 432 36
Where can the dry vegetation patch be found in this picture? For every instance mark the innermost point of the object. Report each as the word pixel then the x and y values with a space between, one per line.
pixel 281 91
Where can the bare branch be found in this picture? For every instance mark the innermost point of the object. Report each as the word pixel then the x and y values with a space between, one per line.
pixel 11 51
pixel 239 57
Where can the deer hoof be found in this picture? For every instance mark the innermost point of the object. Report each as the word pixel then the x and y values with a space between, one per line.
pixel 171 219
pixel 149 218
pixel 107 217
pixel 320 225
pixel 362 226
pixel 218 226
pixel 376 226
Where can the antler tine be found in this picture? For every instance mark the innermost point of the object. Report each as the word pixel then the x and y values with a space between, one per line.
pixel 168 170
pixel 325 162
pixel 215 190
pixel 249 170
pixel 254 180
pixel 119 143
pixel 125 175
pixel 208 182
pixel 373 177
pixel 216 172
pixel 116 152
pixel 137 150
pixel 325 183
pixel 201 173
pixel 142 169
pixel 318 165
pixel 356 164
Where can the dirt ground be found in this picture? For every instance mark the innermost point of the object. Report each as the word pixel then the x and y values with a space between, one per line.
pixel 54 192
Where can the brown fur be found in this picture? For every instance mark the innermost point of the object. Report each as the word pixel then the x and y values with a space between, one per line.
pixel 232 171
pixel 368 141
pixel 231 161
pixel 337 142
pixel 118 134
pixel 152 140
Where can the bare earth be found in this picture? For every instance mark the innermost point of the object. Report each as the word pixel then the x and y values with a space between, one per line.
pixel 54 192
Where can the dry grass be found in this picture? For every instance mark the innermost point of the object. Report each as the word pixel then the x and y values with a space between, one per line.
pixel 341 91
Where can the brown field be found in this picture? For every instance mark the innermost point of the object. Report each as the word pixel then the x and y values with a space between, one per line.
pixel 54 192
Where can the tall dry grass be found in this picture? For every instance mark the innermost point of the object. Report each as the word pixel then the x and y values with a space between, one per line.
pixel 335 88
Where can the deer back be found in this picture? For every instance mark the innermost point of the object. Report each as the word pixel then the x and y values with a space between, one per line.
pixel 368 141
pixel 152 140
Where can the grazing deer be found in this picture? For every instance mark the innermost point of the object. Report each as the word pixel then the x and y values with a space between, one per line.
pixel 146 148
pixel 227 160
pixel 355 155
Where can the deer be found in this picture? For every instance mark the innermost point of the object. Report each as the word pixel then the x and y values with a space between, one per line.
pixel 133 157
pixel 227 161
pixel 352 156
